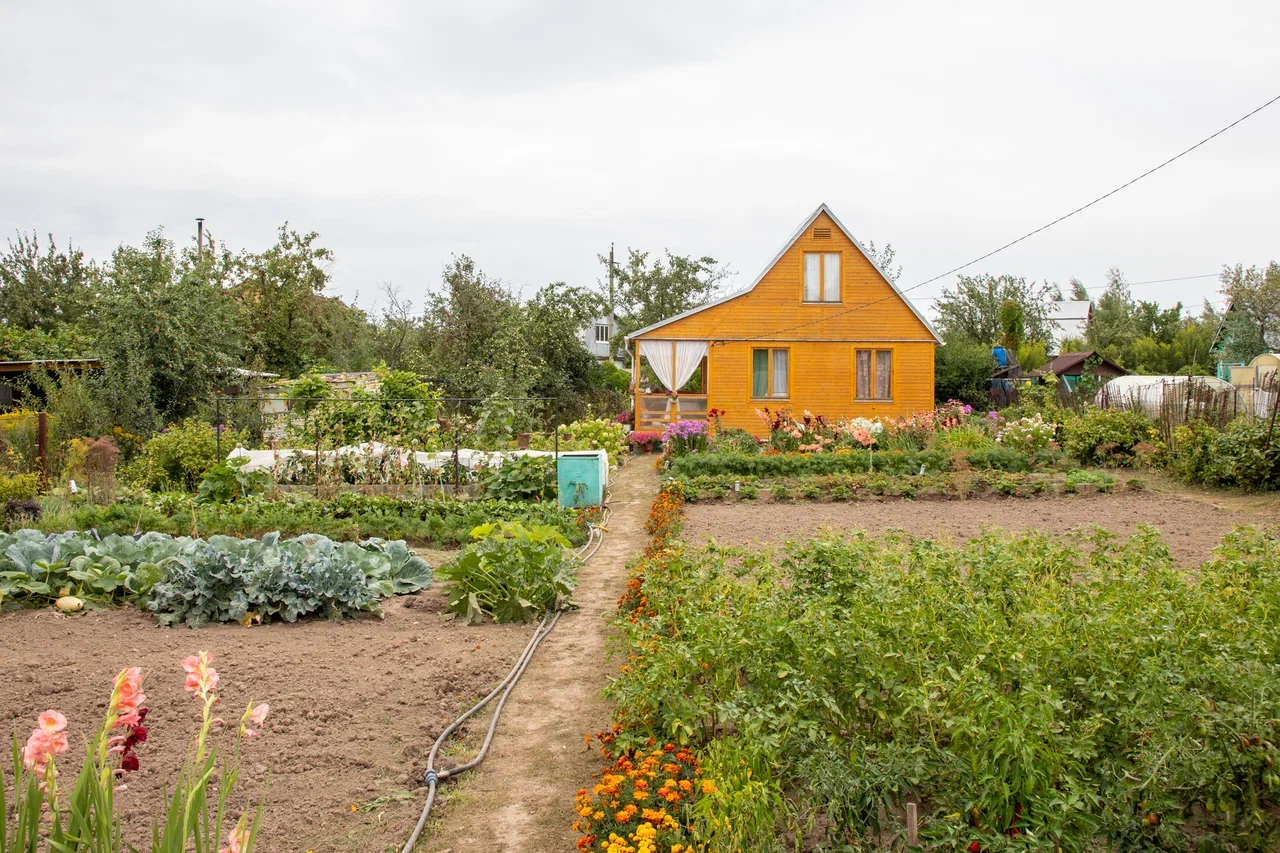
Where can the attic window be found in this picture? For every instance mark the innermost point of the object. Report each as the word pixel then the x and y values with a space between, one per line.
pixel 822 233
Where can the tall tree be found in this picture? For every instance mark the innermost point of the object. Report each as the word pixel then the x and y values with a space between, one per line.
pixel 46 289
pixel 647 293
pixel 1112 323
pixel 1078 291
pixel 472 334
pixel 971 310
pixel 1252 324
pixel 168 332
pixel 292 325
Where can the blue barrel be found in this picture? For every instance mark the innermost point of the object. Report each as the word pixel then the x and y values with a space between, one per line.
pixel 580 478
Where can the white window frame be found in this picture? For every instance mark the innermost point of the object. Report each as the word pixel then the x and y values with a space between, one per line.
pixel 824 283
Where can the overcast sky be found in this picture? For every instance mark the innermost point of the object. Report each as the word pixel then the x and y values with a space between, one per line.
pixel 531 134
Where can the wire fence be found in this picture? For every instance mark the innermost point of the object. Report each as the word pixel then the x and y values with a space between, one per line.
pixel 1171 403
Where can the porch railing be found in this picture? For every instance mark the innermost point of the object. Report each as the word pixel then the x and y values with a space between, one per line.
pixel 658 410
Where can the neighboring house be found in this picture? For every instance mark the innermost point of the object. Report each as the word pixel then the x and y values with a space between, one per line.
pixel 597 335
pixel 1070 368
pixel 1070 319
pixel 821 329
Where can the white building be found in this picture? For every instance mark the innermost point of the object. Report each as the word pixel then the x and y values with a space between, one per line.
pixel 596 337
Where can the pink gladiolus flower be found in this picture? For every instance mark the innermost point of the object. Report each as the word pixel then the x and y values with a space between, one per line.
pixel 237 839
pixel 47 740
pixel 201 677
pixel 52 721
pixel 259 714
pixel 127 697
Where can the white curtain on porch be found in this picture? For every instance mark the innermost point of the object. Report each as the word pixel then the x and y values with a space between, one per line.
pixel 673 368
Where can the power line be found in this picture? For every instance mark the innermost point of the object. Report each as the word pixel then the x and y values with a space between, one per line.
pixel 1158 280
pixel 1048 225
pixel 1103 286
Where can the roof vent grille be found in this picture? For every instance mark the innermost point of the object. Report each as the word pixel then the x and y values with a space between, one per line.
pixel 822 233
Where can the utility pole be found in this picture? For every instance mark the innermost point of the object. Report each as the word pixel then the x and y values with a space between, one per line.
pixel 613 327
pixel 199 239
pixel 611 287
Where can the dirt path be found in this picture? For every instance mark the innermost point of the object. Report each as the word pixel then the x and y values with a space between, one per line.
pixel 521 798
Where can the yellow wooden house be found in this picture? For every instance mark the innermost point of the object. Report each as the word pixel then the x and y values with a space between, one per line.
pixel 822 328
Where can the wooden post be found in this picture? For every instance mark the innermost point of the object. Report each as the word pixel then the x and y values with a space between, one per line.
pixel 913 826
pixel 635 387
pixel 42 448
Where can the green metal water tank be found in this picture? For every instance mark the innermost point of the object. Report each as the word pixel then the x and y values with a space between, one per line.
pixel 581 476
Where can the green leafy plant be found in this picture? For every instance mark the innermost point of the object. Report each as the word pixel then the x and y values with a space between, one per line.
pixel 1019 688
pixel 522 478
pixel 194 581
pixel 239 580
pixel 348 516
pixel 1244 454
pixel 228 481
pixel 510 573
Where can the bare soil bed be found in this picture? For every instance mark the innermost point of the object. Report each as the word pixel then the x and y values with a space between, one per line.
pixel 355 706
pixel 1191 528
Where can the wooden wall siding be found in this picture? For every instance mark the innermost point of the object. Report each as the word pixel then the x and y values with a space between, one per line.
pixel 821 368
pixel 821 381
pixel 775 303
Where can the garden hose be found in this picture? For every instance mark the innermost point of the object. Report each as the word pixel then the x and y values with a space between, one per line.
pixel 432 778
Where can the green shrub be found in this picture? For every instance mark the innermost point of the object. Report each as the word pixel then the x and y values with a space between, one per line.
pixel 965 437
pixel 595 434
pixel 522 478
pixel 178 458
pixel 21 487
pixel 510 573
pixel 1244 454
pixel 1108 436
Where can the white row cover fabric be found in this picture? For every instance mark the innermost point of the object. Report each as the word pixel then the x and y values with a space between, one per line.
pixel 267 460
pixel 673 365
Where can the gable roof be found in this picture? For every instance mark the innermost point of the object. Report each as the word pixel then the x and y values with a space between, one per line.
pixel 822 208
pixel 1069 361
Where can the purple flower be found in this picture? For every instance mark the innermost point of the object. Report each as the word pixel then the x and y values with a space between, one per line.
pixel 684 429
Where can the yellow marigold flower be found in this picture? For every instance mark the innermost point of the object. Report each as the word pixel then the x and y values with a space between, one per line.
pixel 686 785
pixel 708 787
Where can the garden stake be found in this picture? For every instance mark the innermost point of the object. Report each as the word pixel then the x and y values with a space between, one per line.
pixel 913 829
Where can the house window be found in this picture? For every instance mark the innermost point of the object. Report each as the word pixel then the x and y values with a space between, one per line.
pixel 602 333
pixel 821 276
pixel 770 372
pixel 873 374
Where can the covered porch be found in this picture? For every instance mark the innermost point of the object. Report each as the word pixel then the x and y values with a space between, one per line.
pixel 669 379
